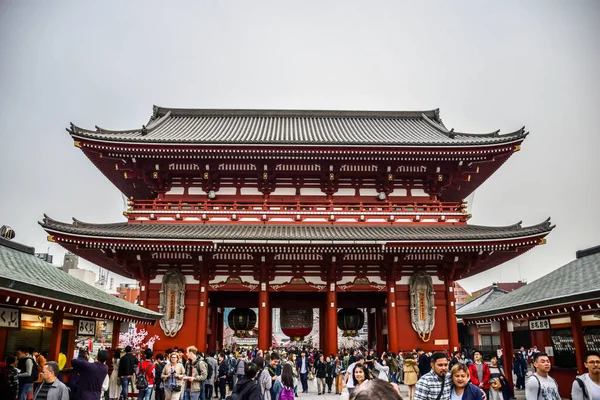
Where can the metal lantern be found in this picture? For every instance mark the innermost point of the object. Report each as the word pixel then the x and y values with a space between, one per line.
pixel 296 322
pixel 242 321
pixel 7 232
pixel 350 320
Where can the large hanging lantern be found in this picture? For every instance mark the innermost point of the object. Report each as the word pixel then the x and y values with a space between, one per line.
pixel 296 322
pixel 7 232
pixel 242 321
pixel 350 320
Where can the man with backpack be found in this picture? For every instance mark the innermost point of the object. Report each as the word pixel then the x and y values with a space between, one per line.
pixel 196 371
pixel 247 387
pixel 587 386
pixel 231 369
pixel 145 376
pixel 540 385
pixel 210 376
pixel 28 374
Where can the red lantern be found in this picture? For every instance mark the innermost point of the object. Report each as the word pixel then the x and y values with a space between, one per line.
pixel 296 322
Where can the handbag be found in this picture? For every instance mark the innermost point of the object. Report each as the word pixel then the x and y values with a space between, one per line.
pixel 496 385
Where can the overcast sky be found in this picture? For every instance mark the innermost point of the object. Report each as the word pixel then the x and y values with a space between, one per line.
pixel 487 65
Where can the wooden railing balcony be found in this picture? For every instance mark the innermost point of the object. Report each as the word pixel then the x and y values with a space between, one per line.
pixel 296 211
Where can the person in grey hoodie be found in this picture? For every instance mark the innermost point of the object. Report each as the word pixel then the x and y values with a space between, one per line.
pixel 209 383
pixel 587 386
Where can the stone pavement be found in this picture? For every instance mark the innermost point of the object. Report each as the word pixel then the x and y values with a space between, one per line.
pixel 312 394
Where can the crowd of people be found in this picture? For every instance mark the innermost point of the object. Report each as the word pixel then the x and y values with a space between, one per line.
pixel 188 374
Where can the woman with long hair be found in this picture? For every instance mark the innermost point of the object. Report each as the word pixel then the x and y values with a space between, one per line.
pixel 173 374
pixel 360 373
pixel 287 381
pixel 411 373
pixel 263 378
pixel 499 389
pixel 462 389
pixel 114 387
pixel 339 374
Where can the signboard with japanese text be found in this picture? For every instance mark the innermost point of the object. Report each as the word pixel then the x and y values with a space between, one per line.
pixel 539 325
pixel 10 317
pixel 86 327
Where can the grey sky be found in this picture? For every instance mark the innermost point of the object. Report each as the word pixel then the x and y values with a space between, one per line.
pixel 486 65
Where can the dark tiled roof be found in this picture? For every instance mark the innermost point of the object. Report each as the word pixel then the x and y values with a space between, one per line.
pixel 298 232
pixel 491 294
pixel 21 271
pixel 577 281
pixel 248 127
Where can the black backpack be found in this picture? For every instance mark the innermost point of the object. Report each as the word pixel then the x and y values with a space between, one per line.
pixel 209 374
pixel 141 382
pixel 232 364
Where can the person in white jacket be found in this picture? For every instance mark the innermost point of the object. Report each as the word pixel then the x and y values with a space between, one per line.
pixel 383 368
pixel 587 386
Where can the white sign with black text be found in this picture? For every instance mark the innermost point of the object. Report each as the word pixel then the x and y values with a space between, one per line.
pixel 539 325
pixel 9 317
pixel 86 327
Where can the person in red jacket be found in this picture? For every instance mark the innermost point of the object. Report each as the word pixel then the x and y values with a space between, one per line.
pixel 480 373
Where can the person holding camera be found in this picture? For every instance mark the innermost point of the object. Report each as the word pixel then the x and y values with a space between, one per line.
pixel 173 374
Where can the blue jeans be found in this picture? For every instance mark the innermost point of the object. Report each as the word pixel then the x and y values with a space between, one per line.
pixel 197 395
pixel 125 382
pixel 145 394
pixel 24 390
pixel 304 381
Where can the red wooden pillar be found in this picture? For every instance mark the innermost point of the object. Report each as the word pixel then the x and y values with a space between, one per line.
pixel 331 344
pixel 116 333
pixel 3 338
pixel 371 328
pixel 451 316
pixel 220 322
pixel 212 344
pixel 379 330
pixel 392 317
pixel 506 343
pixel 56 335
pixel 144 287
pixel 264 317
pixel 578 340
pixel 202 313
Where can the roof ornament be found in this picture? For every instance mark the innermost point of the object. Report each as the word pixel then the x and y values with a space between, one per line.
pixel 71 128
pixel 451 133
pixel 436 115
pixel 154 113
pixel 144 130
pixel 7 232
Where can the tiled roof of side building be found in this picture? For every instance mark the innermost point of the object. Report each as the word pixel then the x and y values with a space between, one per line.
pixel 297 232
pixel 576 281
pixel 490 295
pixel 302 127
pixel 21 271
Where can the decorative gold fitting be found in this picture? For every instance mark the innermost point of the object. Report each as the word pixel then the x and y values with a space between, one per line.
pixel 331 176
pixel 51 238
pixel 468 216
pixel 125 175
pixel 468 178
pixel 517 148
pixel 390 177
pixel 77 143
pixel 265 176
pixel 205 176
pixel 440 178
pixel 125 214
pixel 155 175
pixel 477 170
pixel 99 155
pixel 542 241
pixel 116 166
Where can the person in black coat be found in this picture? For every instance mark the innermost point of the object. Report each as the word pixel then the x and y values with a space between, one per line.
pixel 520 369
pixel 246 386
pixel 423 362
pixel 222 372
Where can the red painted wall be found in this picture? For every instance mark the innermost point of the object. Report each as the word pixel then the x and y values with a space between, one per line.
pixel 187 335
pixel 407 337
